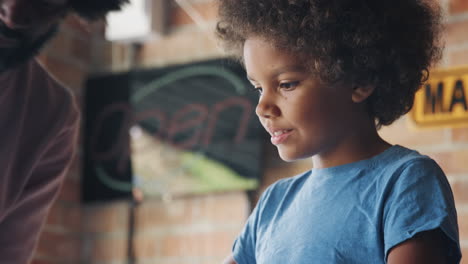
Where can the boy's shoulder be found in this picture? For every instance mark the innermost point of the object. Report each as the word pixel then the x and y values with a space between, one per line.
pixel 285 185
pixel 401 158
pixel 407 167
pixel 396 164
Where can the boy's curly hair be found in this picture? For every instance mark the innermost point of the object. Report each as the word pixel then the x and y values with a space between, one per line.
pixel 389 44
pixel 94 9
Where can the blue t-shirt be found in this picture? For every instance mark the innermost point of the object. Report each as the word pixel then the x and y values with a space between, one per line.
pixel 353 213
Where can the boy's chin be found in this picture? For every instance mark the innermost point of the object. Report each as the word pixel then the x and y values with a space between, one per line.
pixel 288 157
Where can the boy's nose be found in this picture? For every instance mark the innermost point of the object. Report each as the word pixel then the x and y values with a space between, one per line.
pixel 266 108
pixel 16 13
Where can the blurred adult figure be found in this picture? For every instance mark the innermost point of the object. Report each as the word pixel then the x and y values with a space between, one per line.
pixel 39 119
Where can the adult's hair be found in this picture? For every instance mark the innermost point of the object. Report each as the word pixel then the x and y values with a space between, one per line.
pixel 389 44
pixel 94 9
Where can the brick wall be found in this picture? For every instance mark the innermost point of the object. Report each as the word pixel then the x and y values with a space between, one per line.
pixel 200 229
pixel 196 229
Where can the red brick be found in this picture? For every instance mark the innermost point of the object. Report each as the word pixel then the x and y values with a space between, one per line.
pixel 459 192
pixel 74 172
pixel 147 247
pixel 207 10
pixel 460 135
pixel 463 225
pixel 114 55
pixel 158 213
pixel 65 246
pixel 54 217
pixel 458 57
pixel 458 6
pixel 70 191
pixel 452 162
pixel 227 208
pixel 401 133
pixel 72 218
pixel 65 216
pixel 187 46
pixel 109 249
pixel 211 208
pixel 464 259
pixel 102 54
pixel 109 217
pixel 455 33
pixel 212 244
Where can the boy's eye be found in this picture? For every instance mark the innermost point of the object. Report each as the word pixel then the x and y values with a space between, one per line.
pixel 288 85
pixel 258 89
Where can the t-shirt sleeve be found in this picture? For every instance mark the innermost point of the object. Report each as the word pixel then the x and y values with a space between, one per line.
pixel 22 224
pixel 243 249
pixel 420 199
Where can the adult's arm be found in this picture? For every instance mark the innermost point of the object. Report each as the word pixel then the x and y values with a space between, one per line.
pixel 20 229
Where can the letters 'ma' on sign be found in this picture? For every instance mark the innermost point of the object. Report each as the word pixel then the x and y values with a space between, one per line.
pixel 443 100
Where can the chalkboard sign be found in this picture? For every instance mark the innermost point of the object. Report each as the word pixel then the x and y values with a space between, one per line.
pixel 167 131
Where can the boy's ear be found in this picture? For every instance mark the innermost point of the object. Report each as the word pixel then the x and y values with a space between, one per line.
pixel 361 93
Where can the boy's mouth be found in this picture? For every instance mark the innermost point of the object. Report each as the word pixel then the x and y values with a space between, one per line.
pixel 279 136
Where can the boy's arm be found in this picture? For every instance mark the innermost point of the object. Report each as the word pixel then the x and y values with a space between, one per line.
pixel 229 260
pixel 428 247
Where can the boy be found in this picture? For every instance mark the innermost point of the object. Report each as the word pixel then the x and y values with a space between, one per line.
pixel 329 74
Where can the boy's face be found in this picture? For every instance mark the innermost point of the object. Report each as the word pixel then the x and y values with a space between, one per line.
pixel 25 25
pixel 303 116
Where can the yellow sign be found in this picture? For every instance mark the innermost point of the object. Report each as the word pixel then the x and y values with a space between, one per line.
pixel 443 100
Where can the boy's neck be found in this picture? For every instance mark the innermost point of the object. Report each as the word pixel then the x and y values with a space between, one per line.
pixel 358 145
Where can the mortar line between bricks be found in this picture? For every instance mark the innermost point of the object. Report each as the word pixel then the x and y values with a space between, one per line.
pixel 448 135
pixel 456 18
pixel 445 60
pixel 442 147
pixel 105 235
pixel 185 259
pixel 459 177
pixel 163 62
pixel 106 262
pixel 55 260
pixel 179 230
pixel 191 28
pixel 194 2
pixel 457 47
pixel 464 243
pixel 60 229
pixel 462 208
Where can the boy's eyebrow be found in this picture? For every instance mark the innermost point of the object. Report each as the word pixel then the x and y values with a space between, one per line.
pixel 290 68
